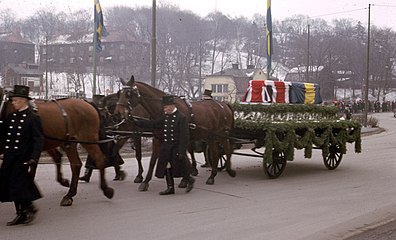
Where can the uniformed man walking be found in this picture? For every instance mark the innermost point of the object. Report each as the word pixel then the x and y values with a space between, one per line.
pixel 22 136
pixel 173 161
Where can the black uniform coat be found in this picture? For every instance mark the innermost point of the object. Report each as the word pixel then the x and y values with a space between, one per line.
pixel 22 140
pixel 174 141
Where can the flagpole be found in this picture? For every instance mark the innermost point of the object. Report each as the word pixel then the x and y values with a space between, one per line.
pixel 269 38
pixel 94 61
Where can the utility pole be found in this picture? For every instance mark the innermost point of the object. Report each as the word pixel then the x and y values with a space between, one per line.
pixel 366 89
pixel 200 69
pixel 154 45
pixel 46 67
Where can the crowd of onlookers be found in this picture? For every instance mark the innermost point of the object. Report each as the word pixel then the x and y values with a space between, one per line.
pixel 349 108
pixel 373 106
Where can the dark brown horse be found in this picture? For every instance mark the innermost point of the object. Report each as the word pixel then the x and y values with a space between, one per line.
pixel 123 125
pixel 66 123
pixel 117 122
pixel 211 120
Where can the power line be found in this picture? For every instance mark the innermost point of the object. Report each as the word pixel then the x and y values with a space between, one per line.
pixel 336 13
pixel 380 5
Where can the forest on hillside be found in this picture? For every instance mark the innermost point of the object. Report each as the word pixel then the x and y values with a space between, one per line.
pixel 184 40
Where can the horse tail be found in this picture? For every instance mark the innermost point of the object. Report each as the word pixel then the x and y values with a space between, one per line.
pixel 232 115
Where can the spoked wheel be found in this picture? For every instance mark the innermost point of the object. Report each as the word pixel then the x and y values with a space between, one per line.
pixel 275 169
pixel 333 159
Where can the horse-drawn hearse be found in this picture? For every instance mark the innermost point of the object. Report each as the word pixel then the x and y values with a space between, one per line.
pixel 276 116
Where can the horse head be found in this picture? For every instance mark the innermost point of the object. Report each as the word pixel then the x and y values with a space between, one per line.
pixel 128 98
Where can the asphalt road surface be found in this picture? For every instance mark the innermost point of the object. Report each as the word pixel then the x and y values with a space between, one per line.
pixel 306 202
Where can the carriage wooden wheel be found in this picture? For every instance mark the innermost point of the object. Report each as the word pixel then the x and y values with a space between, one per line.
pixel 275 169
pixel 333 159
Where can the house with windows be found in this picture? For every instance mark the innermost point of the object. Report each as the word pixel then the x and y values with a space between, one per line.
pixel 24 74
pixel 15 49
pixel 72 53
pixel 230 84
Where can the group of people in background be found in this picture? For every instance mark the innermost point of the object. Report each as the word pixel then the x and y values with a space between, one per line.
pixel 359 106
pixel 347 108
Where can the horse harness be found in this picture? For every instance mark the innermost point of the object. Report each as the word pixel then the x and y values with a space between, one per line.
pixel 68 139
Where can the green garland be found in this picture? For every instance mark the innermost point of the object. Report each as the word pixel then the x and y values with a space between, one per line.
pixel 289 135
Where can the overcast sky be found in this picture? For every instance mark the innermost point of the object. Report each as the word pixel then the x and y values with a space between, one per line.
pixel 383 12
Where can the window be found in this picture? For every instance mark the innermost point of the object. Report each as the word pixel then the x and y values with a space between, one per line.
pixel 122 46
pixel 61 49
pixel 220 88
pixel 219 98
pixel 72 49
pixel 90 48
pixel 44 50
pixel 72 60
pixel 24 80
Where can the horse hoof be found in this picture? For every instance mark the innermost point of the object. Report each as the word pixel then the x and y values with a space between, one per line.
pixel 232 173
pixel 109 193
pixel 210 181
pixel 66 201
pixel 143 187
pixel 138 179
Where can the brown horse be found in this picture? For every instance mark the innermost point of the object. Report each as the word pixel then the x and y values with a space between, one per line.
pixel 66 123
pixel 211 121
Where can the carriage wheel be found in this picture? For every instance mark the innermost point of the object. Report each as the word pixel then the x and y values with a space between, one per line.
pixel 275 169
pixel 333 159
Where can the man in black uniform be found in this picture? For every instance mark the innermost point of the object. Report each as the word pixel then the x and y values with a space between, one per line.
pixel 173 161
pixel 22 136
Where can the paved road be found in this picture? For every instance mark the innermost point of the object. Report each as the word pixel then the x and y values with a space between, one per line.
pixel 306 202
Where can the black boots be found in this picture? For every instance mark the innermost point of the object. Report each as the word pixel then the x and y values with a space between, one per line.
pixel 20 218
pixel 120 175
pixel 87 175
pixel 186 182
pixel 169 182
pixel 24 216
pixel 190 183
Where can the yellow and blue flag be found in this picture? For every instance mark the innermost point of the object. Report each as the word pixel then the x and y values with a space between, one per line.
pixel 269 37
pixel 99 26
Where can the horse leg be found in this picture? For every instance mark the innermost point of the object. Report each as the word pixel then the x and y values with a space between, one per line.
pixel 99 158
pixel 153 160
pixel 57 158
pixel 137 141
pixel 193 161
pixel 75 165
pixel 228 152
pixel 214 161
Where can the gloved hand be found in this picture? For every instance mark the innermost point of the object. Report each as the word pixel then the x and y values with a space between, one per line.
pixel 31 162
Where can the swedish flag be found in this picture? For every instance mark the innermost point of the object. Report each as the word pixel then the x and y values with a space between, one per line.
pixel 269 37
pixel 99 26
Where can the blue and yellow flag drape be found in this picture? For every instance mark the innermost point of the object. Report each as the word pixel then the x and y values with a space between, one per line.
pixel 269 37
pixel 99 26
pixel 305 93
